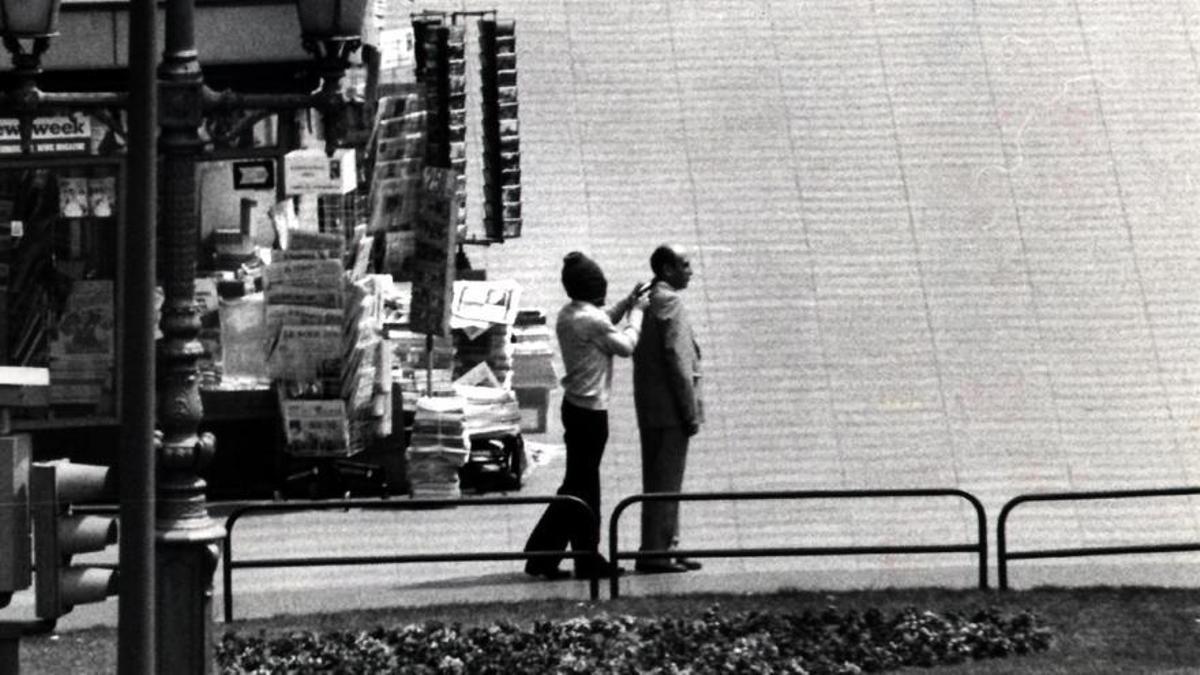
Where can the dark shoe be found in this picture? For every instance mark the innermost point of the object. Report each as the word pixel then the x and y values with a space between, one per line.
pixel 602 571
pixel 547 573
pixel 659 567
pixel 689 564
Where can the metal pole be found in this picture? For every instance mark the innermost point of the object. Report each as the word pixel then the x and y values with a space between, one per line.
pixel 10 647
pixel 135 622
pixel 188 539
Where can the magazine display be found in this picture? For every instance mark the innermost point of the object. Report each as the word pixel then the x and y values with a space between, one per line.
pixel 399 148
pixel 83 349
pixel 433 256
pixel 334 306
pixel 303 326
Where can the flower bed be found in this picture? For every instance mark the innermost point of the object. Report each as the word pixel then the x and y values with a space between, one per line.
pixel 829 641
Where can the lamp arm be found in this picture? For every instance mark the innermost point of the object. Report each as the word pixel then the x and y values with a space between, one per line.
pixel 331 102
pixel 227 101
pixel 28 101
pixel 83 99
pixel 240 126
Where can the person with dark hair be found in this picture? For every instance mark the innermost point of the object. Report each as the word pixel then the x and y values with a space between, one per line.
pixel 670 410
pixel 588 339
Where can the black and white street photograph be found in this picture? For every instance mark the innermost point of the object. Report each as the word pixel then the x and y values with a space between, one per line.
pixel 568 336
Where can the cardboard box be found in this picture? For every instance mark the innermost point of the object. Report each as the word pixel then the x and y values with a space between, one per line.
pixel 534 404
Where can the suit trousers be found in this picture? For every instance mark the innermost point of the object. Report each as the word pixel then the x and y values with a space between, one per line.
pixel 664 455
pixel 585 433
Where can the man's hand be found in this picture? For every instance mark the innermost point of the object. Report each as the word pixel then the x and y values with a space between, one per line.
pixel 691 428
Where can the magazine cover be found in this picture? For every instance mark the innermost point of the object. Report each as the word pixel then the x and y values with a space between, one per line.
pixel 243 338
pixel 316 427
pixel 73 196
pixel 86 328
pixel 303 353
pixel 393 204
pixel 102 196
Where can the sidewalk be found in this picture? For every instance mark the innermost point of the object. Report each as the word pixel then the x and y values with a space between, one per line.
pixel 308 590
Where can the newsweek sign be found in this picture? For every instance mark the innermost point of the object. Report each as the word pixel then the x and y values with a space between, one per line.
pixel 57 133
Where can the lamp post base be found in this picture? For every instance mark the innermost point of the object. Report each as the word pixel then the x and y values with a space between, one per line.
pixel 186 563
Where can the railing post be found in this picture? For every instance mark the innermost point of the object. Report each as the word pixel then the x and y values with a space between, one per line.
pixel 1002 545
pixel 594 581
pixel 981 523
pixel 614 586
pixel 227 572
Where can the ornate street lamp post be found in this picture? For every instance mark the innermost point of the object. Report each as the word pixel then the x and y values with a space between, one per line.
pixel 187 538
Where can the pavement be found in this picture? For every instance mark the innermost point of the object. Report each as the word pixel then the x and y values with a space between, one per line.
pixel 260 593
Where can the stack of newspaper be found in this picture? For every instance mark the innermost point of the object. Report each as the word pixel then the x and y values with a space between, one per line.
pixel 490 410
pixel 437 447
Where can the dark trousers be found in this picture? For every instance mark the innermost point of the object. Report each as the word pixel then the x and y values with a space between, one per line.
pixel 664 456
pixel 585 433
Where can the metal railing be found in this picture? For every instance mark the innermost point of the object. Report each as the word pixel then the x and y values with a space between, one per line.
pixel 1003 555
pixel 388 505
pixel 979 547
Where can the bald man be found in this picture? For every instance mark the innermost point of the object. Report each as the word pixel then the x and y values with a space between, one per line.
pixel 666 393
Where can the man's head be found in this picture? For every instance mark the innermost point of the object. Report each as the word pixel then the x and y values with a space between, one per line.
pixel 583 279
pixel 671 264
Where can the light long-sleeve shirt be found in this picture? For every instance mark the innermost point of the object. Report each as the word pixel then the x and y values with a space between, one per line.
pixel 588 338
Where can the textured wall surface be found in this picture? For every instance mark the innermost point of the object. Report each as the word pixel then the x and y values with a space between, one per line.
pixel 937 243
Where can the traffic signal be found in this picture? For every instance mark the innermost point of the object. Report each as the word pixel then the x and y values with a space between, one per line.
pixel 501 141
pixel 15 551
pixel 59 534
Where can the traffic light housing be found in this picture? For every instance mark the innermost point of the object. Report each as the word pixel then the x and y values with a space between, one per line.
pixel 59 534
pixel 15 550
